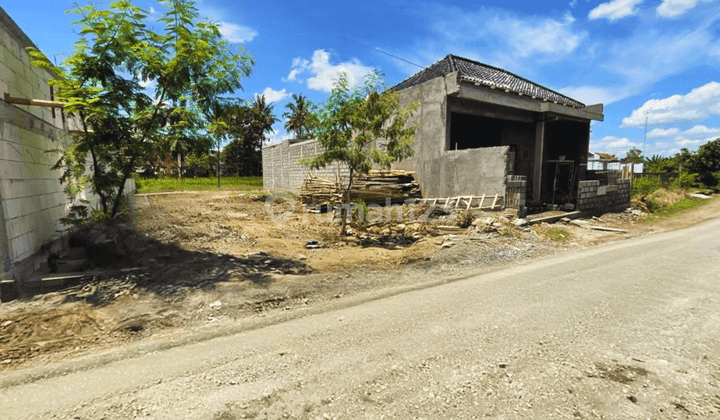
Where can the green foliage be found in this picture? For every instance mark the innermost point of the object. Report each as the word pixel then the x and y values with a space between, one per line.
pixel 361 211
pixel 708 163
pixel 672 210
pixel 645 186
pixel 684 181
pixel 246 126
pixel 300 117
pixel 558 234
pixel 633 156
pixel 657 163
pixel 122 126
pixel 350 122
pixel 145 185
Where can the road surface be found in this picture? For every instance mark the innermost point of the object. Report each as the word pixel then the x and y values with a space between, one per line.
pixel 622 331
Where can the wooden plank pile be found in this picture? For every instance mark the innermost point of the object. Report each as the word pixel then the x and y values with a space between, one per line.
pixel 373 188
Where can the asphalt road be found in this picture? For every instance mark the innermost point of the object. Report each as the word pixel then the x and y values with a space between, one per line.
pixel 626 330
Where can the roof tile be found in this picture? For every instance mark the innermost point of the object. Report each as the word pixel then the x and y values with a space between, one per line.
pixel 473 71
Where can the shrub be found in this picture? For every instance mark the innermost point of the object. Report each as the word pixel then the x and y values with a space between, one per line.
pixel 684 181
pixel 645 186
pixel 360 212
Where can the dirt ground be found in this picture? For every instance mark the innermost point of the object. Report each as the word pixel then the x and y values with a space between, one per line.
pixel 196 261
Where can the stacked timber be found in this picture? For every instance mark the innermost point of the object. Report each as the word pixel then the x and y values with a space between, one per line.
pixel 377 185
pixel 374 187
pixel 316 190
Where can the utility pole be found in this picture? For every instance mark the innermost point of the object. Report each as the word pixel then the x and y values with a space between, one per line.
pixel 644 134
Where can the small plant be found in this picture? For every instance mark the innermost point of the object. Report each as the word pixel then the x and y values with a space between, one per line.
pixel 78 216
pixel 554 233
pixel 506 232
pixel 645 186
pixel 684 181
pixel 360 212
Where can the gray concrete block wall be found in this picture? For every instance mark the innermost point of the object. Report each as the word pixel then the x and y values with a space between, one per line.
pixel 283 169
pixel 596 198
pixel 32 200
pixel 442 172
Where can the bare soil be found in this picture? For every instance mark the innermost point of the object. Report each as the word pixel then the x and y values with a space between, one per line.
pixel 195 261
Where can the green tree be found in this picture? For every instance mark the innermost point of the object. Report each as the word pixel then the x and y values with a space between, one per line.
pixel 708 163
pixel 246 127
pixel 300 117
pixel 633 156
pixel 101 82
pixel 350 123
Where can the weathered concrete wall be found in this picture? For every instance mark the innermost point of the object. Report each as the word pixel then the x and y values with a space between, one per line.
pixel 31 196
pixel 283 170
pixel 442 172
pixel 597 198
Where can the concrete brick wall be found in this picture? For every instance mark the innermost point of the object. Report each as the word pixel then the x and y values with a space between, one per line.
pixel 31 196
pixel 283 169
pixel 515 191
pixel 442 172
pixel 596 198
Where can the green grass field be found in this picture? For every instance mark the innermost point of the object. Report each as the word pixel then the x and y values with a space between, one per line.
pixel 150 185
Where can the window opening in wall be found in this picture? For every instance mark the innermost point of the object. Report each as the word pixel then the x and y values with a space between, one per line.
pixel 472 132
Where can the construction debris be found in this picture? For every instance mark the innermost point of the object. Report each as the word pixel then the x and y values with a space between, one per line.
pixel 373 188
pixel 607 229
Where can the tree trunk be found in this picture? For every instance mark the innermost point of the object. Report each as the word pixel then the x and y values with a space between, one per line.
pixel 346 208
pixel 179 174
pixel 218 165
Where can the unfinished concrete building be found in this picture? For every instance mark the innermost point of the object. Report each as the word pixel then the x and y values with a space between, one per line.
pixel 483 130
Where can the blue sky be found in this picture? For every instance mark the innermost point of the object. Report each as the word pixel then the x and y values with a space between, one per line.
pixel 654 58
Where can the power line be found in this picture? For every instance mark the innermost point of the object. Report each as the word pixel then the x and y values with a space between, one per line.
pixel 401 59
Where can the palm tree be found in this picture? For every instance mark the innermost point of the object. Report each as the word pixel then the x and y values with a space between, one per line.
pixel 300 118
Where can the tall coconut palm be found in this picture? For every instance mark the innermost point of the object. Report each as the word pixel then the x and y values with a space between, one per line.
pixel 301 119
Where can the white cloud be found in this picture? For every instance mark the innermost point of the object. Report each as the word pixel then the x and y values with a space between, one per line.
pixel 148 84
pixel 279 133
pixel 698 104
pixel 272 95
pixel 590 95
pixel 660 132
pixel 614 10
pixel 702 131
pixel 323 74
pixel 689 143
pixel 675 8
pixel 236 34
pixel 538 36
pixel 613 144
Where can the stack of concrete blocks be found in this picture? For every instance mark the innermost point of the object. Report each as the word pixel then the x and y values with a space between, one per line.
pixel 515 191
pixel 283 169
pixel 596 198
pixel 32 200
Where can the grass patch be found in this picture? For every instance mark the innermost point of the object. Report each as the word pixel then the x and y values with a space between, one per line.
pixel 674 209
pixel 556 234
pixel 152 185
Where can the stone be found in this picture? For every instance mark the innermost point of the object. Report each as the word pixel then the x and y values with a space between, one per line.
pixel 447 244
pixel 521 222
pixel 483 221
pixel 216 305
